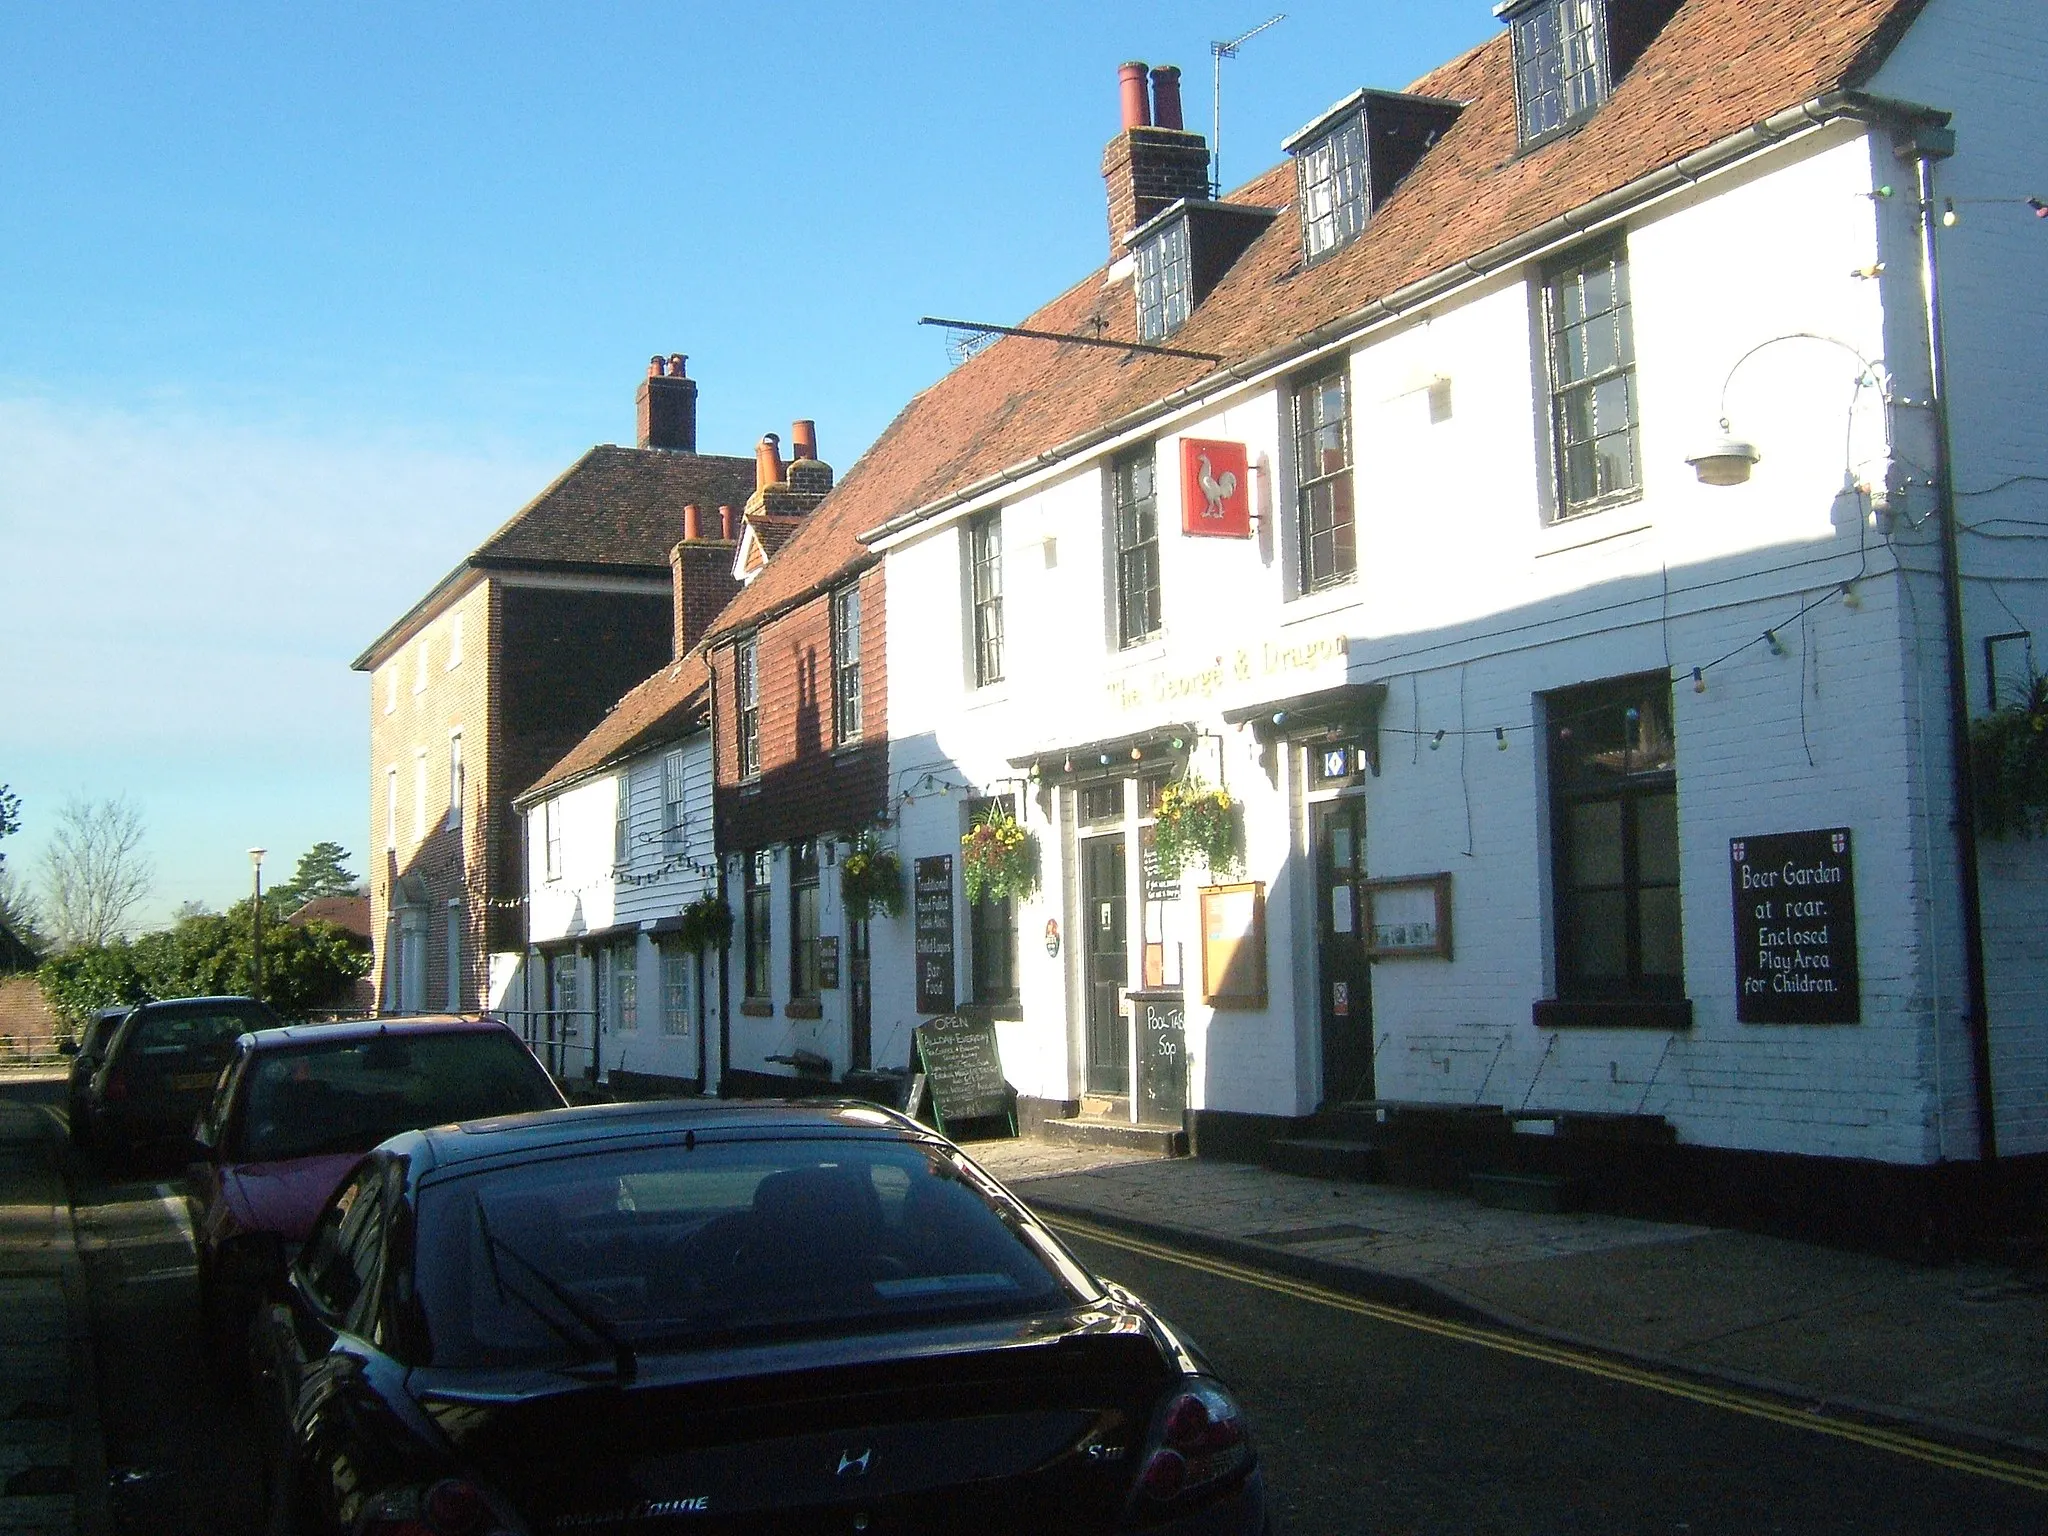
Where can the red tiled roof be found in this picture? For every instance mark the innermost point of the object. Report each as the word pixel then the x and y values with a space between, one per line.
pixel 1717 68
pixel 350 912
pixel 669 704
pixel 618 506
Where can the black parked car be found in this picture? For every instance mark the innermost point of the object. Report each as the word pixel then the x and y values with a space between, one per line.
pixel 85 1056
pixel 158 1073
pixel 722 1318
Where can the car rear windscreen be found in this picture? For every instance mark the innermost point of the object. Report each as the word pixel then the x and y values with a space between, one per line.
pixel 181 1032
pixel 347 1095
pixel 560 1260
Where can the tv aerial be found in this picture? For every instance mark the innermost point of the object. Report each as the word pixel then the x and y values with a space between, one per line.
pixel 1218 52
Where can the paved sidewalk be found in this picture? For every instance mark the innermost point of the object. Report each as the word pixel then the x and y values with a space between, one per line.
pixel 1963 1350
pixel 38 1275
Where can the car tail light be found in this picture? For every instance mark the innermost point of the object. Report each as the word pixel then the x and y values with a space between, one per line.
pixel 1198 1439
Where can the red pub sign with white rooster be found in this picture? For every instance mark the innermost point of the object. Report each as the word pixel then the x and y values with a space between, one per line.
pixel 1215 493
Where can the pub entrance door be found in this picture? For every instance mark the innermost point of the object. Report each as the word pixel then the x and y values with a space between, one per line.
pixel 1345 976
pixel 1105 960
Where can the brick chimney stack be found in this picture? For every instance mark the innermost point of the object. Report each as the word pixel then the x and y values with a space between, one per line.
pixel 1154 162
pixel 667 406
pixel 700 570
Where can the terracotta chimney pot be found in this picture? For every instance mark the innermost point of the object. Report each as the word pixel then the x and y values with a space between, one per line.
pixel 693 523
pixel 654 367
pixel 803 440
pixel 768 462
pixel 1166 97
pixel 725 528
pixel 1137 109
pixel 676 359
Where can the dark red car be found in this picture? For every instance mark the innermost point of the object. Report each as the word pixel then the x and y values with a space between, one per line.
pixel 297 1107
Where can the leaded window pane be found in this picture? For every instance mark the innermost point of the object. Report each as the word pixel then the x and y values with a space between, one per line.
pixel 747 684
pixel 1327 516
pixel 1561 66
pixel 1594 413
pixel 846 692
pixel 1134 491
pixel 985 561
pixel 803 919
pixel 1333 190
pixel 1165 282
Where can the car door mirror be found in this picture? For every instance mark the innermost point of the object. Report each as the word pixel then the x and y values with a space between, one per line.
pixel 67 1047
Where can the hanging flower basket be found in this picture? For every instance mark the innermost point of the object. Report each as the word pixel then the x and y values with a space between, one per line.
pixel 871 882
pixel 1194 823
pixel 998 859
pixel 2009 758
pixel 707 923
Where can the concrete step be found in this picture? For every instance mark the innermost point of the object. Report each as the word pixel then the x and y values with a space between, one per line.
pixel 1100 1131
pixel 1324 1158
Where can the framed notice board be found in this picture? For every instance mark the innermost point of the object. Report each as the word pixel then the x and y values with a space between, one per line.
pixel 1408 917
pixel 1234 945
pixel 1794 895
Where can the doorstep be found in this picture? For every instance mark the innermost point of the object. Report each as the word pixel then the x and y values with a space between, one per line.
pixel 1103 1131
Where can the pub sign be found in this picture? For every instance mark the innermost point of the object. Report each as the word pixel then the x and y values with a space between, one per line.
pixel 1215 489
pixel 1795 928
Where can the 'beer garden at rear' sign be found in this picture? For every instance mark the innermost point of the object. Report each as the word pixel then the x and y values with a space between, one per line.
pixel 1795 929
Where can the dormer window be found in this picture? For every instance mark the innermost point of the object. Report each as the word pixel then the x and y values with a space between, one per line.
pixel 1329 176
pixel 1570 55
pixel 1561 64
pixel 1349 161
pixel 1165 282
pixel 1182 253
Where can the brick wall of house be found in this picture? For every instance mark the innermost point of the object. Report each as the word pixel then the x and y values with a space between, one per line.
pixel 809 783
pixel 566 657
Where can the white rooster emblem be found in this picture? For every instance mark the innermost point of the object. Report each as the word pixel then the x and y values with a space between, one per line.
pixel 1218 491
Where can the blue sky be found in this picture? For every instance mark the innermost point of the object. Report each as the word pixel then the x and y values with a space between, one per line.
pixel 300 301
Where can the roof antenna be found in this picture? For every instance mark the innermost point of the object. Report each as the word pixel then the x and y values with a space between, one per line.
pixel 1218 52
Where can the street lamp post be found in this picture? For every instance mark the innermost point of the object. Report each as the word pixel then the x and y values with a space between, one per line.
pixel 256 924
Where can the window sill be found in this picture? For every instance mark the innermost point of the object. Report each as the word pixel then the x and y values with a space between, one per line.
pixel 803 1008
pixel 1323 601
pixel 1613 1013
pixel 1009 1013
pixel 1568 525
pixel 989 696
pixel 757 1008
pixel 749 788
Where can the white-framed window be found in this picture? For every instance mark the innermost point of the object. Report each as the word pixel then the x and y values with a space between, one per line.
pixel 985 596
pixel 551 838
pixel 423 658
pixel 419 794
pixel 455 642
pixel 678 992
pixel 672 797
pixel 456 782
pixel 622 821
pixel 1332 190
pixel 747 684
pixel 846 697
pixel 1135 519
pixel 390 807
pixel 1166 282
pixel 1326 516
pixel 1561 64
pixel 1595 418
pixel 455 924
pixel 625 997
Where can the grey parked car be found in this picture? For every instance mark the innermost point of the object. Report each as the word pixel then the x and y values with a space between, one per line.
pixel 86 1053
pixel 158 1073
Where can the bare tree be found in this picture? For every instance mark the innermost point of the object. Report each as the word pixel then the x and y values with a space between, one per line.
pixel 94 871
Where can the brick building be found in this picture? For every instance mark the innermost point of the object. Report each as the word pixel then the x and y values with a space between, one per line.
pixel 498 671
pixel 800 728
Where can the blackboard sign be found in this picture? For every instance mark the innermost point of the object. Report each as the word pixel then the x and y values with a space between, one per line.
pixel 962 1067
pixel 935 934
pixel 1795 928
pixel 1163 1069
pixel 1159 886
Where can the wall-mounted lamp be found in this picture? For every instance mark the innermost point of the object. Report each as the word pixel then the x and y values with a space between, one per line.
pixel 1727 460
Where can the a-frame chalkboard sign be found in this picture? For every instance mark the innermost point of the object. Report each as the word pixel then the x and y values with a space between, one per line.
pixel 963 1071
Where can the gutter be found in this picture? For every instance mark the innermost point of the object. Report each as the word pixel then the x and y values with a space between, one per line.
pixel 817 589
pixel 690 725
pixel 1832 106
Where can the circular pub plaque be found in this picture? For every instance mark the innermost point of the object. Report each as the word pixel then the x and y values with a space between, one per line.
pixel 1052 937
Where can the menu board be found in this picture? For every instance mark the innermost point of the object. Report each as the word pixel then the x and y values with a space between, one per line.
pixel 1234 946
pixel 962 1067
pixel 934 882
pixel 1163 1065
pixel 1795 928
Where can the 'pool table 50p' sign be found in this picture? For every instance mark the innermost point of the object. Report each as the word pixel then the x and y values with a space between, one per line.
pixel 1795 928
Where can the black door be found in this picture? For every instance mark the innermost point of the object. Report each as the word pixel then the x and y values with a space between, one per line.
pixel 1346 1008
pixel 1102 926
pixel 861 1029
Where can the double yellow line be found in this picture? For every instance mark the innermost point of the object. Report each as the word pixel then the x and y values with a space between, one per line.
pixel 2019 1474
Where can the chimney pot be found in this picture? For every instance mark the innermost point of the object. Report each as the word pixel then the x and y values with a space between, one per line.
pixel 654 366
pixel 1166 97
pixel 768 462
pixel 1137 109
pixel 725 528
pixel 693 523
pixel 675 365
pixel 803 440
